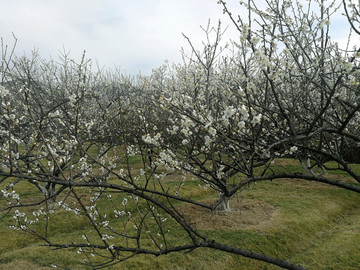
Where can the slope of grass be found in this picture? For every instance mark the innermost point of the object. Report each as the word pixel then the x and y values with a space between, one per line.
pixel 312 224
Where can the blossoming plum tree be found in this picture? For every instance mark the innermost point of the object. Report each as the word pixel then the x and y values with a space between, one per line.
pixel 229 116
pixel 93 141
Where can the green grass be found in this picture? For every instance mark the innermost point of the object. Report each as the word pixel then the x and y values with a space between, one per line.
pixel 313 224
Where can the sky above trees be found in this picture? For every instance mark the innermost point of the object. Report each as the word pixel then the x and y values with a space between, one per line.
pixel 132 35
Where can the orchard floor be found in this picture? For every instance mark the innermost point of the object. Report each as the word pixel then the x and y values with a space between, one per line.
pixel 306 223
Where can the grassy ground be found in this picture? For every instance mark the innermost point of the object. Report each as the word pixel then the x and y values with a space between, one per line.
pixel 306 223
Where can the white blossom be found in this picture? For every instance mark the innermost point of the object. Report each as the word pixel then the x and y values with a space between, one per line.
pixel 229 112
pixel 124 202
pixel 293 149
pixel 212 131
pixel 256 119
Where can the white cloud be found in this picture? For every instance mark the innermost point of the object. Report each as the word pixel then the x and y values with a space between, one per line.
pixel 125 33
pixel 135 35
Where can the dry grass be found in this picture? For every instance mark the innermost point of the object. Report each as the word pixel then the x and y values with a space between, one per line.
pixel 22 265
pixel 308 223
pixel 244 214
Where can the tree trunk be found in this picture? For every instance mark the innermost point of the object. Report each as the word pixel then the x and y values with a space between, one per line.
pixel 49 191
pixel 224 203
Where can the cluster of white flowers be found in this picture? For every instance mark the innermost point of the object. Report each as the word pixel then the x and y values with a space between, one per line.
pixel 54 114
pixel 84 167
pixel 18 214
pixel 40 212
pixel 185 142
pixel 168 158
pixel 119 213
pixel 72 99
pixel 262 59
pixel 227 114
pixel 11 194
pixel 244 32
pixel 293 149
pixel 241 125
pixel 132 150
pixel 173 130
pixel 243 110
pixel 212 131
pixel 92 211
pixel 152 140
pixel 23 221
pixel 322 23
pixel 3 91
pixel 105 223
pixel 256 119
pixel 186 122
pixel 124 202
pixel 9 117
pixel 208 141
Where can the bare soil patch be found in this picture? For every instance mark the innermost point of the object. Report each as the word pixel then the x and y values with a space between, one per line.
pixel 244 213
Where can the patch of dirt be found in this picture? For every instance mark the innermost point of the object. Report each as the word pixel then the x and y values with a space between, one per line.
pixel 244 213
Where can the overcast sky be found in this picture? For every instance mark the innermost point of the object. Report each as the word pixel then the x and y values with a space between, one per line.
pixel 136 35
